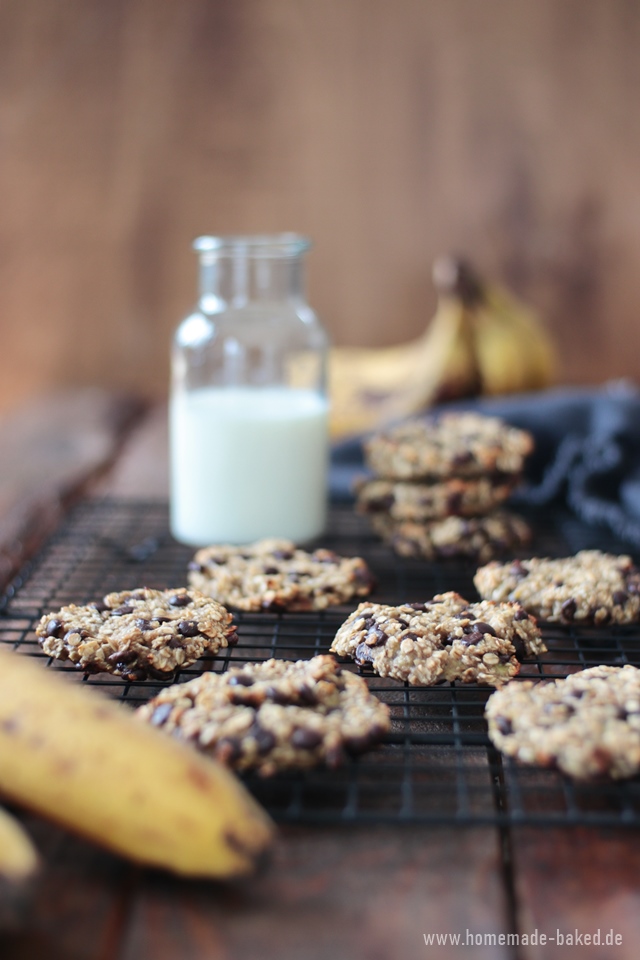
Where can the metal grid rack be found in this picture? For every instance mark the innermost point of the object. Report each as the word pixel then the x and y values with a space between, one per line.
pixel 437 764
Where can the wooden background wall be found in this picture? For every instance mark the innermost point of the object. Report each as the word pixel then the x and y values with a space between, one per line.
pixel 388 130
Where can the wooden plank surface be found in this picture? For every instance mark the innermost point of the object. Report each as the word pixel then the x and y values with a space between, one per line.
pixel 581 880
pixel 389 132
pixel 361 893
pixel 50 450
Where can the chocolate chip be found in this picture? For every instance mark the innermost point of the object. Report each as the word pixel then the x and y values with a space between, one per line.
pixel 160 714
pixel 335 756
pixel 620 597
pixel 368 623
pixel 271 570
pixel 99 605
pixel 375 637
pixel 411 636
pixel 232 636
pixel 179 600
pixel 307 695
pixel 504 725
pixel 305 738
pixel 152 672
pixel 417 606
pixel 380 504
pixel 188 628
pixel 165 619
pixel 484 628
pixel 241 680
pixel 569 608
pixel 54 628
pixel 264 738
pixel 521 614
pixel 474 637
pixel 122 656
pixel 228 749
pixel 282 554
pixel 462 458
pixel 277 696
pixel 454 502
pixel 122 611
pixel 363 654
pixel 364 577
pixel 519 647
pixel 357 744
pixel 142 624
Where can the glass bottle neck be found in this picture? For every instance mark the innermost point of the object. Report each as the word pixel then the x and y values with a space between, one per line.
pixel 240 279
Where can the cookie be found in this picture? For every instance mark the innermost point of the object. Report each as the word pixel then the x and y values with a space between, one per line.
pixel 587 725
pixel 275 575
pixel 446 638
pixel 452 444
pixel 591 587
pixel 479 538
pixel 403 500
pixel 138 633
pixel 273 716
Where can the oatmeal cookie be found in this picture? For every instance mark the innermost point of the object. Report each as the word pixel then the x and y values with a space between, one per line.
pixel 403 500
pixel 139 633
pixel 276 575
pixel 591 587
pixel 463 444
pixel 479 538
pixel 446 638
pixel 587 725
pixel 273 716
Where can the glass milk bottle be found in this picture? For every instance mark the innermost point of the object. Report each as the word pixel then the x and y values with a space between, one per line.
pixel 248 409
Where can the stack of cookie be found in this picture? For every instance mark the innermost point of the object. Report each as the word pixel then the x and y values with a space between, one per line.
pixel 439 483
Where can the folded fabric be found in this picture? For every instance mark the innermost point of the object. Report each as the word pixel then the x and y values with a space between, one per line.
pixel 587 452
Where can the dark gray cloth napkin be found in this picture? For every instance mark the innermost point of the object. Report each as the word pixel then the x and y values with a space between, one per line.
pixel 587 452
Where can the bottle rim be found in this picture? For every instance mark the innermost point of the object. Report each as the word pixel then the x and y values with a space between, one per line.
pixel 253 245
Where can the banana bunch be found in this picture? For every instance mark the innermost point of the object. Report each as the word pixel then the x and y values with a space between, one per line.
pixel 481 340
pixel 82 760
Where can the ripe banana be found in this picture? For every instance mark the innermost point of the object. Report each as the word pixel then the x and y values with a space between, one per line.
pixel 18 857
pixel 481 340
pixel 82 760
pixel 369 387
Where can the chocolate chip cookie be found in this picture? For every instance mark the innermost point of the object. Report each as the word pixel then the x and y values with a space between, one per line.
pixel 591 587
pixel 402 500
pixel 453 444
pixel 275 575
pixel 587 725
pixel 273 716
pixel 139 633
pixel 479 538
pixel 446 638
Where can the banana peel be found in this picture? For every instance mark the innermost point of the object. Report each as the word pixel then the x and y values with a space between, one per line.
pixel 481 340
pixel 18 856
pixel 82 760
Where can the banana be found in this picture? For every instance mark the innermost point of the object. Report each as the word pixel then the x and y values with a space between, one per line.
pixel 18 856
pixel 369 387
pixel 481 340
pixel 82 760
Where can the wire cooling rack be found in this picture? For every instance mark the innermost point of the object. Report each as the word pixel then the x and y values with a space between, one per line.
pixel 437 764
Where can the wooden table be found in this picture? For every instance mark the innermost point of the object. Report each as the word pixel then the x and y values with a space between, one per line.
pixel 357 893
